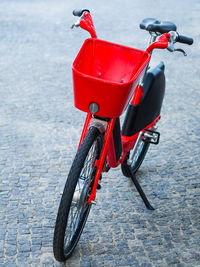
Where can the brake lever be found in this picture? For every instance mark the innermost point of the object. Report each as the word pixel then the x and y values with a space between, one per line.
pixel 76 24
pixel 172 49
pixel 180 50
pixel 173 39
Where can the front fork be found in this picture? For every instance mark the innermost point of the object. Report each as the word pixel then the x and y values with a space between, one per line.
pixel 106 127
pixel 100 163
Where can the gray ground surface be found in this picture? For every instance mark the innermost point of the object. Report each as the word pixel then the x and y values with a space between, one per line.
pixel 40 129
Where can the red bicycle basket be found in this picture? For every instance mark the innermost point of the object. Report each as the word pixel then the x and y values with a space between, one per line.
pixel 106 74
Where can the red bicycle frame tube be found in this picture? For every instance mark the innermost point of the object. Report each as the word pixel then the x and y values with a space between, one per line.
pixel 111 156
pixel 85 128
pixel 138 94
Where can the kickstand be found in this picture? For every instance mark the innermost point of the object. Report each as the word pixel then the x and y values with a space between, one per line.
pixel 139 189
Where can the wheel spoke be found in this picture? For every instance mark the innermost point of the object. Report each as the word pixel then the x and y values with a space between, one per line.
pixel 71 223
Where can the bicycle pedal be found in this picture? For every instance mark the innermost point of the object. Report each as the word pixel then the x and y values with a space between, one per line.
pixel 152 137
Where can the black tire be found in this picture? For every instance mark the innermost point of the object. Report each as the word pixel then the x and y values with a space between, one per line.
pixel 144 146
pixel 69 224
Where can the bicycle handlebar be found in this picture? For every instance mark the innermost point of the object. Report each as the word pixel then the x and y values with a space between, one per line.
pixel 184 39
pixel 85 22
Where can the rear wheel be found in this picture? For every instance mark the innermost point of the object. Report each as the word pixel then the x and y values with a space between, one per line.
pixel 138 158
pixel 137 155
pixel 74 208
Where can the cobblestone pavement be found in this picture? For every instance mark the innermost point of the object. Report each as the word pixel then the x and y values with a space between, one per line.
pixel 40 128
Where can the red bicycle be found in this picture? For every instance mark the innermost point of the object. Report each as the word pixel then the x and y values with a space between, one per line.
pixel 108 78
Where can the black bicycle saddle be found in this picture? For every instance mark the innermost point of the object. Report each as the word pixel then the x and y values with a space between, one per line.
pixel 154 25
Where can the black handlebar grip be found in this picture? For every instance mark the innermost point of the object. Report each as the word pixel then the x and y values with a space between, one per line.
pixel 184 40
pixel 79 12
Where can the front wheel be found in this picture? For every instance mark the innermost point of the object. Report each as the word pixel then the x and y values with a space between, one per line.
pixel 74 208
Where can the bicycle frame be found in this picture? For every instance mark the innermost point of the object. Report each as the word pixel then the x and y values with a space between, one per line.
pixel 108 152
pixel 106 125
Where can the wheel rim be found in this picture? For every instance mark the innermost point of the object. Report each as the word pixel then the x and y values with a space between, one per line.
pixel 79 206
